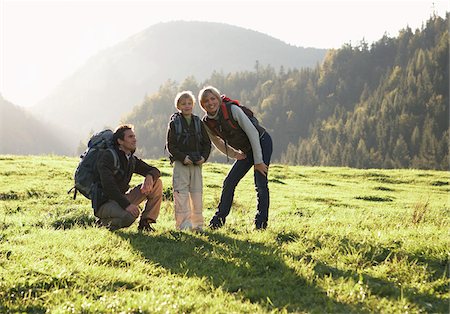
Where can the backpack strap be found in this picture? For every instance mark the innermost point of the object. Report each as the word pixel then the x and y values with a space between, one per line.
pixel 177 124
pixel 116 160
pixel 227 115
pixel 198 127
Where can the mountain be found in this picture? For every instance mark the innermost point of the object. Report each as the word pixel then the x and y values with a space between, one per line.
pixel 384 105
pixel 112 82
pixel 21 133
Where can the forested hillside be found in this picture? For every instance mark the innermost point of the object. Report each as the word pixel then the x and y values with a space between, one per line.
pixel 112 82
pixel 381 105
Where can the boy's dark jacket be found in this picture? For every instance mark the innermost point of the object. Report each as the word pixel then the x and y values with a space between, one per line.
pixel 179 150
pixel 113 186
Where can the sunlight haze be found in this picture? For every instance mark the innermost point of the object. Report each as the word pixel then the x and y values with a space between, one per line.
pixel 44 42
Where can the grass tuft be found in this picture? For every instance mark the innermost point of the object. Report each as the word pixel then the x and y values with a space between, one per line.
pixel 439 183
pixel 74 219
pixel 374 198
pixel 419 211
pixel 383 188
pixel 11 195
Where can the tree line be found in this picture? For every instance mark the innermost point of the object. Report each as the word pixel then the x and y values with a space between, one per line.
pixel 380 106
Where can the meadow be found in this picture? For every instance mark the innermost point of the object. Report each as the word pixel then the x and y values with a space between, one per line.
pixel 339 240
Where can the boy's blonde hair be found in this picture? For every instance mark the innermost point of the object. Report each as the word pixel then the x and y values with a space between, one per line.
pixel 182 95
pixel 208 89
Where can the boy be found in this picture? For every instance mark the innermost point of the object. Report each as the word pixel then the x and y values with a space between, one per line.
pixel 189 147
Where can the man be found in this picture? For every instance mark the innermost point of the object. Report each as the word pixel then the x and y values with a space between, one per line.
pixel 116 205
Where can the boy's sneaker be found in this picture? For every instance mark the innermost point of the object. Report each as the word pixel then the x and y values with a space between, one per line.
pixel 186 225
pixel 198 229
pixel 144 225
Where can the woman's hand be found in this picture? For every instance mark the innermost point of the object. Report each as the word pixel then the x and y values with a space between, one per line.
pixel 240 156
pixel 262 168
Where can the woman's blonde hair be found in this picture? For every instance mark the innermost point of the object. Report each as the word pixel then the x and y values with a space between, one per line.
pixel 182 95
pixel 205 90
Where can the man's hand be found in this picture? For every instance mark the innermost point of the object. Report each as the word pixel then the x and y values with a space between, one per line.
pixel 133 210
pixel 262 168
pixel 147 186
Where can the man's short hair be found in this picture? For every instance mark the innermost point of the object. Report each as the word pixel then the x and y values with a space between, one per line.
pixel 119 132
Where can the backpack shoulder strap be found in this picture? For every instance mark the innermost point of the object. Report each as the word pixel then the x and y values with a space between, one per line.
pixel 198 127
pixel 227 114
pixel 176 118
pixel 116 159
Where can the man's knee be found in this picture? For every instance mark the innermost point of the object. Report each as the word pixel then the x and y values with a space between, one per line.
pixel 127 219
pixel 158 187
pixel 158 184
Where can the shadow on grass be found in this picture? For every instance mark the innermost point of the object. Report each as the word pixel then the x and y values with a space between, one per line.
pixel 384 288
pixel 250 270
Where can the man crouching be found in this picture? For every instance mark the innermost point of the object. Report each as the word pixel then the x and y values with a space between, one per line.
pixel 116 206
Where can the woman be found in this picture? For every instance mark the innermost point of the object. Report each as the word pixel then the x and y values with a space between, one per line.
pixel 241 137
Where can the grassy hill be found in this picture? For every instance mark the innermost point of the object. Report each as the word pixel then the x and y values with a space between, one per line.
pixel 339 240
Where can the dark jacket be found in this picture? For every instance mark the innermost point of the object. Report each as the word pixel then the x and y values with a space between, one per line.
pixel 114 185
pixel 187 145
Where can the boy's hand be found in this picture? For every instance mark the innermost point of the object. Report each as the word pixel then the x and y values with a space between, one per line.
pixel 187 160
pixel 199 162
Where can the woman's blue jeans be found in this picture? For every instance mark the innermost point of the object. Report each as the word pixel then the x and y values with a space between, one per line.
pixel 236 173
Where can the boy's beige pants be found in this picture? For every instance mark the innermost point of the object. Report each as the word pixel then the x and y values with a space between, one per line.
pixel 188 196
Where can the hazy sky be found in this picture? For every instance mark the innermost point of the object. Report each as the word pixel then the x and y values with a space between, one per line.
pixel 43 42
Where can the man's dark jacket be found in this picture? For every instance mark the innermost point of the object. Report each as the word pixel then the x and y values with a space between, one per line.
pixel 114 185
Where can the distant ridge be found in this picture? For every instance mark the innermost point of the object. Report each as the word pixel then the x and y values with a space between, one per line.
pixel 116 79
pixel 22 134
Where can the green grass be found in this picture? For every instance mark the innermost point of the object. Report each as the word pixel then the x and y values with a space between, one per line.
pixel 339 240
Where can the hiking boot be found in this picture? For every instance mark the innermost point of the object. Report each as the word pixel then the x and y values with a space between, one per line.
pixel 144 225
pixel 98 223
pixel 213 226
pixel 216 223
pixel 197 229
pixel 261 225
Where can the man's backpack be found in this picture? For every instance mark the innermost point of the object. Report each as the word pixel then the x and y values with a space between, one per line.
pixel 180 133
pixel 86 175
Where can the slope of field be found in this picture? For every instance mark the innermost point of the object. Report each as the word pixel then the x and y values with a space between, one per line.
pixel 339 240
